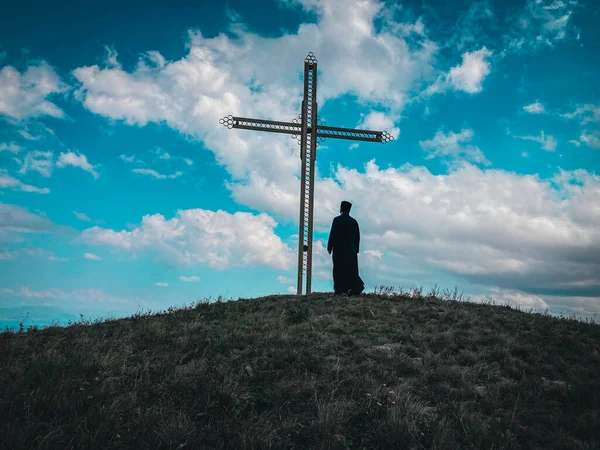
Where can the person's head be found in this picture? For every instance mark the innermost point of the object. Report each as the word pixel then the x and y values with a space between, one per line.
pixel 345 207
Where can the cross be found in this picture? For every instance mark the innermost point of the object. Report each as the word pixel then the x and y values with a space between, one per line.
pixel 309 131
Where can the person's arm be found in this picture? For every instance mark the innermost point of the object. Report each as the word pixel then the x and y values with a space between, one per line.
pixel 357 237
pixel 331 237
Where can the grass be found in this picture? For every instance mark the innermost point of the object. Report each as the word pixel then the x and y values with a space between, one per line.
pixel 379 371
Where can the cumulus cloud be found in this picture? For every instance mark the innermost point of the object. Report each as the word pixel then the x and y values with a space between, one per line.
pixel 46 293
pixel 38 161
pixel 547 142
pixel 235 75
pixel 471 73
pixel 161 284
pixel 541 24
pixel 10 147
pixel 77 300
pixel 8 256
pixel 588 116
pixel 454 147
pixel 8 182
pixel 379 121
pixel 40 253
pixel 188 161
pixel 284 280
pixel 535 108
pixel 467 77
pixel 530 235
pixel 26 94
pixel 513 298
pixel 162 154
pixel 17 220
pixel 157 175
pixel 585 113
pixel 76 160
pixel 111 57
pixel 81 216
pixel 191 279
pixel 195 236
pixel 131 159
pixel 592 140
pixel 92 257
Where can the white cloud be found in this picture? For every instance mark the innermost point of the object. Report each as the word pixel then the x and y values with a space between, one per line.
pixel 195 236
pixel 25 95
pixel 161 284
pixel 131 159
pixel 76 160
pixel 467 77
pixel 547 142
pixel 513 298
pixel 111 57
pixel 92 257
pixel 16 220
pixel 235 75
pixel 8 182
pixel 540 25
pixel 30 137
pixel 471 73
pixel 164 155
pixel 353 146
pixel 188 161
pixel 8 256
pixel 10 147
pixel 38 161
pixel 586 113
pixel 80 300
pixel 46 293
pixel 292 289
pixel 157 175
pixel 528 235
pixel 591 140
pixel 378 121
pixel 81 216
pixel 575 142
pixel 454 146
pixel 41 253
pixel 284 280
pixel 189 279
pixel 535 108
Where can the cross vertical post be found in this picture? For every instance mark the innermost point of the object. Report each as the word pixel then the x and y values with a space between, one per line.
pixel 308 147
pixel 308 131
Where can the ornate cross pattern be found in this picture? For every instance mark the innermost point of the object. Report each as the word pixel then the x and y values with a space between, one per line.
pixel 309 131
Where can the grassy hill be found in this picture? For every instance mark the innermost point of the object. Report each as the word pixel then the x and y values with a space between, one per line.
pixel 376 371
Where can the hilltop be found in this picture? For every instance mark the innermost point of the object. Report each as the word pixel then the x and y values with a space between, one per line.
pixel 375 371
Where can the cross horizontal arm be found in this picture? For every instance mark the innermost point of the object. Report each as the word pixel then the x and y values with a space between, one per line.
pixel 353 134
pixel 261 125
pixel 292 128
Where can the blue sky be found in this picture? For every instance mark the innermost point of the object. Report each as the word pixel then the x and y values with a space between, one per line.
pixel 120 191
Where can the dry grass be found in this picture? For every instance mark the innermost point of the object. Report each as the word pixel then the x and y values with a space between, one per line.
pixel 385 370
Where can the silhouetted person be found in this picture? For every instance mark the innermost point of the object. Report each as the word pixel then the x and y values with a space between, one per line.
pixel 344 240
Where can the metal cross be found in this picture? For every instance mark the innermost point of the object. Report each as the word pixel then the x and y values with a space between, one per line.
pixel 309 131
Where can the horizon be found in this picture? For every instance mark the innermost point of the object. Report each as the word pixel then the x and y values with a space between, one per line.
pixel 120 190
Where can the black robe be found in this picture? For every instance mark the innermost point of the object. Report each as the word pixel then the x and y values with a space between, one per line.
pixel 344 241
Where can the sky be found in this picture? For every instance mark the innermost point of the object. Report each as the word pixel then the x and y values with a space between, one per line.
pixel 120 192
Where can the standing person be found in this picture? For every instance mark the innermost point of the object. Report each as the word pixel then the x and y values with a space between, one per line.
pixel 344 240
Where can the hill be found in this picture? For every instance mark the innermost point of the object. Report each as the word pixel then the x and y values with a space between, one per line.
pixel 376 371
